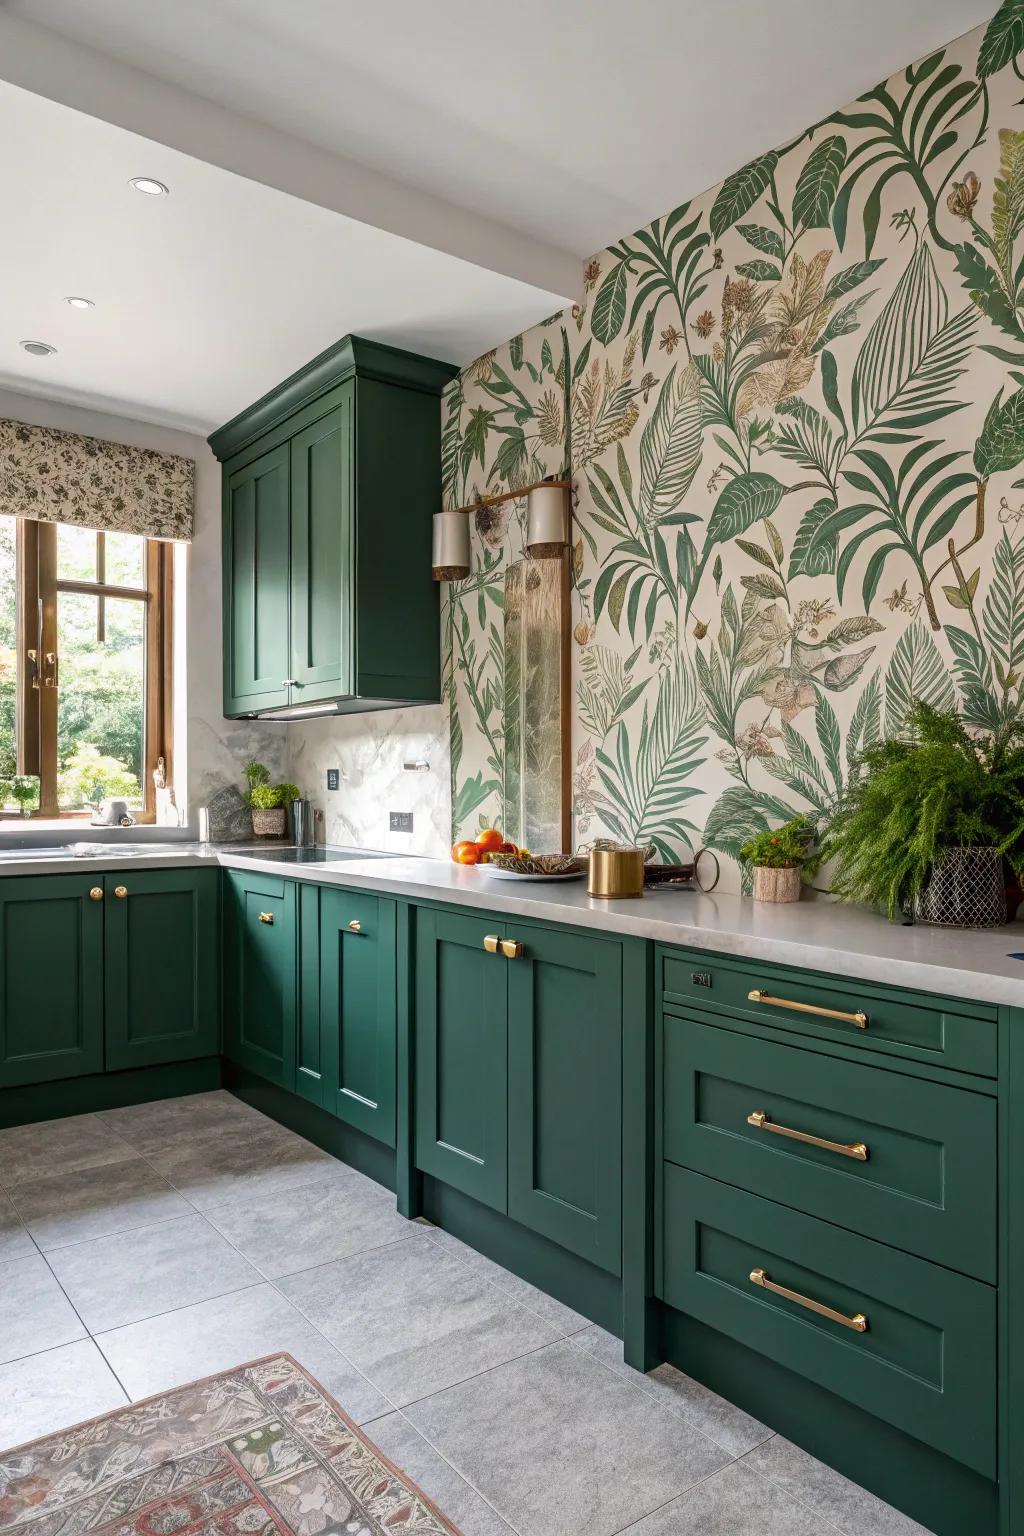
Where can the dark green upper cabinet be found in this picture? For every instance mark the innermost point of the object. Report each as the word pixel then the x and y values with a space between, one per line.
pixel 330 482
pixel 51 978
pixel 162 971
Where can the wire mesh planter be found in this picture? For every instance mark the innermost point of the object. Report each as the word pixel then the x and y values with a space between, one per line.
pixel 966 889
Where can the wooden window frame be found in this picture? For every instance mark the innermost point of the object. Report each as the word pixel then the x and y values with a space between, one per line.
pixel 38 588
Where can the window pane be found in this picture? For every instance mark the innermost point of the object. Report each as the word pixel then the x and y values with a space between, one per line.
pixel 8 656
pixel 101 703
pixel 124 557
pixel 76 554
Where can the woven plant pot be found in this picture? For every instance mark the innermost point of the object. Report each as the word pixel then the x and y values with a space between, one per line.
pixel 966 889
pixel 776 884
pixel 269 823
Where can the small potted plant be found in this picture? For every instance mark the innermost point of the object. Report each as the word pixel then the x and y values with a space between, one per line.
pixel 268 802
pixel 25 789
pixel 777 858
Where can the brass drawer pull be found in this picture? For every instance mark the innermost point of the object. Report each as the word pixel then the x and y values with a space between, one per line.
pixel 859 1018
pixel 491 942
pixel 96 893
pixel 855 1149
pixel 266 917
pixel 121 891
pixel 511 949
pixel 858 1322
pixel 355 926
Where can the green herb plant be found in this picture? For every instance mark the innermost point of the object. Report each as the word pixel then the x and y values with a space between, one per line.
pixel 933 787
pixel 785 847
pixel 25 789
pixel 264 796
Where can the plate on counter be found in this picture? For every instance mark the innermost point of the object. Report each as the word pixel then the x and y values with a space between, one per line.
pixel 533 866
pixel 518 874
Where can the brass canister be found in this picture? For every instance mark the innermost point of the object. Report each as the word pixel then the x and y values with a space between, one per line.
pixel 615 871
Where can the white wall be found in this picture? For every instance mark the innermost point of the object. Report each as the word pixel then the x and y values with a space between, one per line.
pixel 209 751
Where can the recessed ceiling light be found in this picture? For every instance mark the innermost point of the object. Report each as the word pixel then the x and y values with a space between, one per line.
pixel 39 348
pixel 77 302
pixel 150 186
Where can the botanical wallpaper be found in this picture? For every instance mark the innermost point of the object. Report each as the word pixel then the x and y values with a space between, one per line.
pixel 794 414
pixel 65 477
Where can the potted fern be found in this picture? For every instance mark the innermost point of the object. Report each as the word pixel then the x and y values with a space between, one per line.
pixel 268 802
pixel 777 858
pixel 932 822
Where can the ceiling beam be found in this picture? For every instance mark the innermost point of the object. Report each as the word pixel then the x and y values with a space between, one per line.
pixel 52 66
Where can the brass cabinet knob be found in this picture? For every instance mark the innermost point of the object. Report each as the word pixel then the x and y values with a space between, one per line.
pixel 355 926
pixel 96 894
pixel 121 891
pixel 511 949
pixel 491 942
pixel 266 917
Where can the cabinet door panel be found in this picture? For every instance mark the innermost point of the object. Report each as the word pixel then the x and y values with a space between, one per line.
pixel 51 979
pixel 565 1091
pixel 256 564
pixel 321 556
pixel 357 1009
pixel 309 1056
pixel 260 970
pixel 162 977
pixel 461 1056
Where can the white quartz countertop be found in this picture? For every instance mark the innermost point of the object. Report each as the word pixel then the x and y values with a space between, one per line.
pixel 816 933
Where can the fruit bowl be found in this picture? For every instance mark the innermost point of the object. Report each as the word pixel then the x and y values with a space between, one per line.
pixel 538 866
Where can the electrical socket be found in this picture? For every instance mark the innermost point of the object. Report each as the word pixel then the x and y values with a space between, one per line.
pixel 333 778
pixel 401 821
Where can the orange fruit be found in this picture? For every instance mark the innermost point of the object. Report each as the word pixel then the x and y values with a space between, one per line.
pixel 466 853
pixel 489 840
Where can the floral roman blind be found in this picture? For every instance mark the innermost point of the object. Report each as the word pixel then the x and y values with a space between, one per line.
pixel 63 477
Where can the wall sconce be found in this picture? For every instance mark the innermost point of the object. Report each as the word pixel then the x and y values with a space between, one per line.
pixel 547 527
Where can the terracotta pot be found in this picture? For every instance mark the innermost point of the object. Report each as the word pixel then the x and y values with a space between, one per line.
pixel 269 823
pixel 776 884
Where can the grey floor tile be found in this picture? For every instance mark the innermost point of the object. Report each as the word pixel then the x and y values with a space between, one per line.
pixel 35 1314
pixel 243 1162
pixel 722 1422
pixel 15 1242
pixel 735 1502
pixel 413 1318
pixel 560 1446
pixel 852 1509
pixel 147 1127
pixel 164 1352
pixel 406 1448
pixel 133 1275
pixel 55 1390
pixel 554 1312
pixel 57 1146
pixel 339 1214
pixel 94 1202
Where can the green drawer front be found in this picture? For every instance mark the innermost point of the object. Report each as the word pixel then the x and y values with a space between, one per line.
pixel 928 1184
pixel 940 1031
pixel 927 1361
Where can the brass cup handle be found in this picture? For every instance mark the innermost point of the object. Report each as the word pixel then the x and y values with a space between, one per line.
pixel 96 894
pixel 121 891
pixel 511 949
pixel 491 942
pixel 859 1018
pixel 760 1120
pixel 355 926
pixel 266 917
pixel 858 1322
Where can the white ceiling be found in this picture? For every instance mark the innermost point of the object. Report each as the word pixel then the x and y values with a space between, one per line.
pixel 207 298
pixel 574 121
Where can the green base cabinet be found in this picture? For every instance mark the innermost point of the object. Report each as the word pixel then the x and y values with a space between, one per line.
pixel 51 978
pixel 357 1010
pixel 162 966
pixel 260 959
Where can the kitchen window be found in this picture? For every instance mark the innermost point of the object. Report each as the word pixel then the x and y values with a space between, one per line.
pixel 85 666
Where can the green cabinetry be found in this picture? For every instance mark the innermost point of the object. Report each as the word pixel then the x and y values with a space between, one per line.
pixel 329 485
pixel 357 1009
pixel 260 975
pixel 518 1083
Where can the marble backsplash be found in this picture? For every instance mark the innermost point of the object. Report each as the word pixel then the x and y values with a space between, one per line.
pixel 370 752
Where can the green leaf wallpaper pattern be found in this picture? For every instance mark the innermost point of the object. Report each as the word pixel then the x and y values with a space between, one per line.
pixel 793 410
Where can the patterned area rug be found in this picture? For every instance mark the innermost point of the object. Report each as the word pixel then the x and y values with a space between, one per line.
pixel 261 1450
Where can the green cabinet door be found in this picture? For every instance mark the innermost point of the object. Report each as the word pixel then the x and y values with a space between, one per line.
pixel 322 466
pixel 51 978
pixel 357 1009
pixel 461 1131
pixel 162 972
pixel 260 975
pixel 256 563
pixel 565 1091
